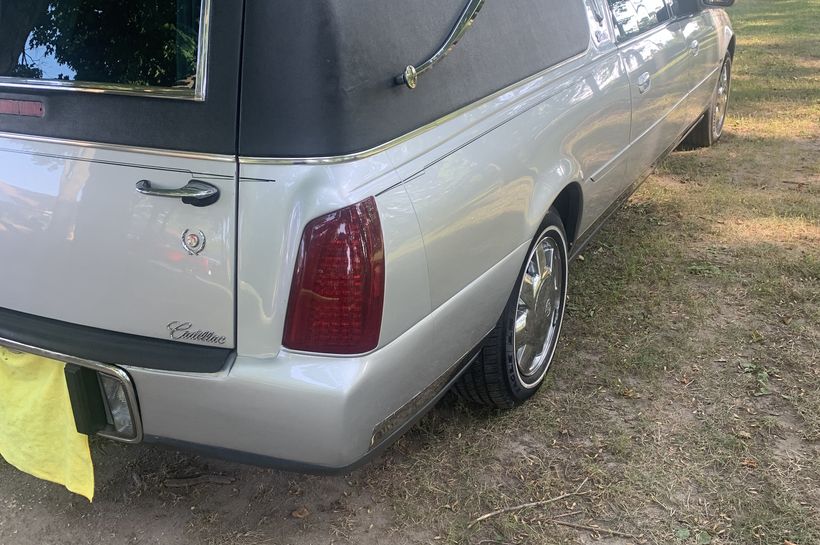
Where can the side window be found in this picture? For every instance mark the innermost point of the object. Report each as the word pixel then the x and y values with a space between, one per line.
pixel 682 7
pixel 131 45
pixel 632 17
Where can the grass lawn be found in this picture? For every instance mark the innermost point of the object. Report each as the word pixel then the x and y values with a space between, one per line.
pixel 687 387
pixel 684 403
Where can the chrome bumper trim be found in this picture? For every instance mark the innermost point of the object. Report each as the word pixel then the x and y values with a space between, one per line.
pixel 110 370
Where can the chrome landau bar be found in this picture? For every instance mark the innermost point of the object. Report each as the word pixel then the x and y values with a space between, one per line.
pixel 411 74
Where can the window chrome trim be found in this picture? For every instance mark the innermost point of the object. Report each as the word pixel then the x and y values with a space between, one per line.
pixel 196 95
pixel 110 370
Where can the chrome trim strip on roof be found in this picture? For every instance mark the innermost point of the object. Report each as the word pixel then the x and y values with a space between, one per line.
pixel 197 94
pixel 116 372
pixel 116 147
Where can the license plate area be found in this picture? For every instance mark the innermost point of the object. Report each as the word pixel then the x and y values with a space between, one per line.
pixel 102 396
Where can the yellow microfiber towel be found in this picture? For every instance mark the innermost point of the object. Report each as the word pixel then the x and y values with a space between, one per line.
pixel 37 430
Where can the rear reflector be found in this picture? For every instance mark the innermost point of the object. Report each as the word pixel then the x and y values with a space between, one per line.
pixel 27 108
pixel 116 401
pixel 337 293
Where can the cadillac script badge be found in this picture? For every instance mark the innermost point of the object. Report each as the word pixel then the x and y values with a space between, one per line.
pixel 184 331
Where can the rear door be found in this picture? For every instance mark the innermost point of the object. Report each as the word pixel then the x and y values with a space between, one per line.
pixel 654 53
pixel 700 34
pixel 105 107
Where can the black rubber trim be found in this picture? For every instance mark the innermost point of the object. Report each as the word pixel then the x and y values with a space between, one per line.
pixel 86 399
pixel 111 347
pixel 248 458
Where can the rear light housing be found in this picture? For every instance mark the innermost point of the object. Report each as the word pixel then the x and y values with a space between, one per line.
pixel 337 292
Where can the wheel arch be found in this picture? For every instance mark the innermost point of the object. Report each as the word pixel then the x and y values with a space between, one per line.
pixel 570 206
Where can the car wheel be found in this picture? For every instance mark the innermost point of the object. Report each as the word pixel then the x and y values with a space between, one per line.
pixel 710 128
pixel 515 357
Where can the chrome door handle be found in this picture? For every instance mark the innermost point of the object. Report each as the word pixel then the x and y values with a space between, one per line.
pixel 195 192
pixel 644 82
pixel 694 48
pixel 411 74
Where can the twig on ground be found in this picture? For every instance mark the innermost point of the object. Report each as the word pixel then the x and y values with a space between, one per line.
pixel 570 514
pixel 593 529
pixel 665 508
pixel 200 479
pixel 497 512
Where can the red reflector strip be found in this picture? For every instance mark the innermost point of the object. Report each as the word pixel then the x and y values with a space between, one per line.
pixel 27 108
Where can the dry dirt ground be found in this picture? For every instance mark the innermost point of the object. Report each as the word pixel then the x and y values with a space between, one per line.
pixel 683 407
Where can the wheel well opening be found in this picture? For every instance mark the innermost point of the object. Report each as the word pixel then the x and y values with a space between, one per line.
pixel 732 47
pixel 569 206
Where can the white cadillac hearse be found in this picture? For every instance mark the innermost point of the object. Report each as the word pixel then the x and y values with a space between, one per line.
pixel 279 231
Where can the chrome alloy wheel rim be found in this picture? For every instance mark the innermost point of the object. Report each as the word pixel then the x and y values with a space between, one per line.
pixel 540 309
pixel 721 101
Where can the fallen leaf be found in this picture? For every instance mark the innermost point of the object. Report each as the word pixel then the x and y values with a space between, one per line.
pixel 751 463
pixel 300 513
pixel 629 393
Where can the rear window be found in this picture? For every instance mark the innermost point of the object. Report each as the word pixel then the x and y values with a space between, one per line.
pixel 141 46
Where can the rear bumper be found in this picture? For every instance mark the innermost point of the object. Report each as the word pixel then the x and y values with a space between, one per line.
pixel 333 459
pixel 295 411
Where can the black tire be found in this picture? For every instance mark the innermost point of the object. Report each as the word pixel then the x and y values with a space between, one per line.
pixel 710 128
pixel 494 378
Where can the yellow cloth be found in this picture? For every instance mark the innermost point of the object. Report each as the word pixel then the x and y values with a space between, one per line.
pixel 37 430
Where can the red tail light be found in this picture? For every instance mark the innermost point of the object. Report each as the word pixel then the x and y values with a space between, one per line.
pixel 337 293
